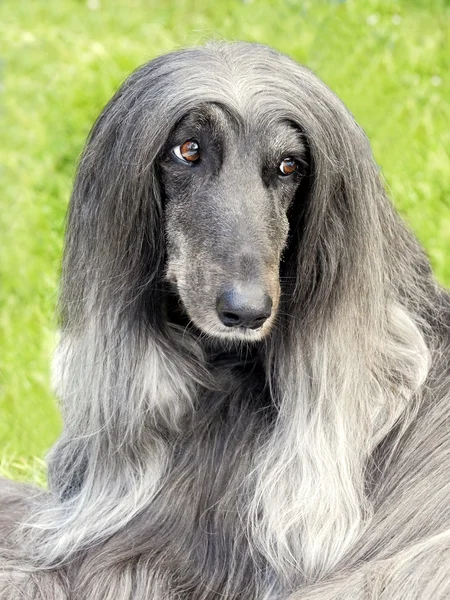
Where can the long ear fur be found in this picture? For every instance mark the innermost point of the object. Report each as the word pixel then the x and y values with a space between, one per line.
pixel 124 378
pixel 350 355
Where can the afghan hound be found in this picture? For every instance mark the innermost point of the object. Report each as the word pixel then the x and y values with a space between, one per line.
pixel 253 365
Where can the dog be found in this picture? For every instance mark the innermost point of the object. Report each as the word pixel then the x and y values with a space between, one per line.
pixel 253 365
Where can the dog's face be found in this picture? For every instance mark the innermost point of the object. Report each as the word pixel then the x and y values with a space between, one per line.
pixel 228 185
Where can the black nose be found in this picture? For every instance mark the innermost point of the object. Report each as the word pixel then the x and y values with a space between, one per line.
pixel 244 307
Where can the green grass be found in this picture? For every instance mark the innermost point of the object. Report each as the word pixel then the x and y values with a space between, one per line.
pixel 63 59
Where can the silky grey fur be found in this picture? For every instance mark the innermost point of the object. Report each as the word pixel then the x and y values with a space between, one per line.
pixel 311 464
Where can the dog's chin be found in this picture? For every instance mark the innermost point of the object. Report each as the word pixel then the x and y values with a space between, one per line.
pixel 241 334
pixel 209 326
pixel 212 328
pixel 206 324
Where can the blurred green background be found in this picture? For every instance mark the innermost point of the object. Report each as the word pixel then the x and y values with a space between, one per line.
pixel 61 60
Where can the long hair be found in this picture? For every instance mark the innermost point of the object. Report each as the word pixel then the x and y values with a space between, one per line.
pixel 309 437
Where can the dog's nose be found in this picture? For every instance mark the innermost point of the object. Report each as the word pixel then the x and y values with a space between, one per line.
pixel 248 307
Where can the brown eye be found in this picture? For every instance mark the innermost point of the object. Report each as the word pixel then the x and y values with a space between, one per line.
pixel 188 152
pixel 288 166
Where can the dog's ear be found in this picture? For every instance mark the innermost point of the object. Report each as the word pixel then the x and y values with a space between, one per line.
pixel 336 216
pixel 114 241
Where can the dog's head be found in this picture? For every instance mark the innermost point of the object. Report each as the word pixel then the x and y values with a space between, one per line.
pixel 229 180
pixel 232 176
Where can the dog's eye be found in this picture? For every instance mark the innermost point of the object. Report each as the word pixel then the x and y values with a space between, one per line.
pixel 189 151
pixel 288 166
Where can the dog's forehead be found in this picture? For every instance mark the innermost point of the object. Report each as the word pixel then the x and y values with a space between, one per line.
pixel 253 127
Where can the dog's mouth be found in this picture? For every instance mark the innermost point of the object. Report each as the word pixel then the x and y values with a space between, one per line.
pixel 239 313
